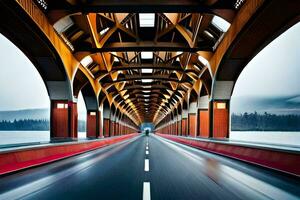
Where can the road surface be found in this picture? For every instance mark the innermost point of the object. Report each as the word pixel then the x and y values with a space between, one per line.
pixel 148 168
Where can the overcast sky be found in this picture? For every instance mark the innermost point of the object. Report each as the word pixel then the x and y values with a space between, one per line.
pixel 273 72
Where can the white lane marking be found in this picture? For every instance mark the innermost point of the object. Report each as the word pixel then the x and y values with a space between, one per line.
pixel 147 152
pixel 35 186
pixel 147 148
pixel 146 191
pixel 146 165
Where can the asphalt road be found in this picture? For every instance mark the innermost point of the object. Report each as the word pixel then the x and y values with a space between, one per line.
pixel 148 168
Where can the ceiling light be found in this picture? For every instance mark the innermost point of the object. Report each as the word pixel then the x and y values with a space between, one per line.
pixel 63 24
pixel 146 19
pixel 104 31
pixel 146 55
pixel 146 86
pixel 147 71
pixel 146 95
pixel 147 91
pixel 203 60
pixel 86 61
pixel 220 23
pixel 147 80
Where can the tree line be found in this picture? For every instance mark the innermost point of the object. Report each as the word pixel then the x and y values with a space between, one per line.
pixel 32 124
pixel 264 122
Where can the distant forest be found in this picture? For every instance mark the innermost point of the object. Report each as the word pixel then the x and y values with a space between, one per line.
pixel 239 122
pixel 32 125
pixel 264 122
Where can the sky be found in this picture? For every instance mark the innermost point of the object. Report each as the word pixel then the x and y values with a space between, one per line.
pixel 275 71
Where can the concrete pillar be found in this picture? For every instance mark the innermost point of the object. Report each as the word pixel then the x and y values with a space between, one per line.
pixel 219 109
pixel 93 124
pixel 220 118
pixel 106 127
pixel 192 119
pixel 184 123
pixel 203 116
pixel 63 119
pixel 179 125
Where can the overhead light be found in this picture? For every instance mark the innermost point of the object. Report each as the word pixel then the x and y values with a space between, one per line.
pixel 146 95
pixel 86 61
pixel 147 80
pixel 146 19
pixel 63 24
pixel 104 31
pixel 146 55
pixel 203 60
pixel 147 100
pixel 221 105
pixel 147 71
pixel 146 86
pixel 220 23
pixel 147 91
pixel 178 53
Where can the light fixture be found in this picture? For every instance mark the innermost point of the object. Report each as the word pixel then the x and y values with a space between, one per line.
pixel 63 24
pixel 146 95
pixel 203 60
pixel 104 31
pixel 220 23
pixel 93 113
pixel 147 91
pixel 146 19
pixel 146 86
pixel 146 55
pixel 86 61
pixel 147 80
pixel 221 105
pixel 62 105
pixel 147 71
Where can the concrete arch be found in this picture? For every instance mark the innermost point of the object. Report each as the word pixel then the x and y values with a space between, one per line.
pixel 244 48
pixel 39 50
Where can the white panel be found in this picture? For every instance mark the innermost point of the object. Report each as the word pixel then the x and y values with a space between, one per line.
pixel 185 114
pixel 193 108
pixel 59 90
pixel 222 90
pixel 203 102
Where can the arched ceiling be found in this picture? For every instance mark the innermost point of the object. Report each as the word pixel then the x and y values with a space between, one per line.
pixel 145 55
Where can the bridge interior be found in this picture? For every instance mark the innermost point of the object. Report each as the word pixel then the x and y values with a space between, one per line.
pixel 169 63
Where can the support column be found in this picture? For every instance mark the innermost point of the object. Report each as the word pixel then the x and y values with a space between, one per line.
pixel 106 127
pixel 220 118
pixel 203 116
pixel 184 123
pixel 219 109
pixel 63 119
pixel 93 124
pixel 192 119
pixel 179 125
pixel 203 123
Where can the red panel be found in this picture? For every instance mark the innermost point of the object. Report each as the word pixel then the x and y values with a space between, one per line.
pixel 59 121
pixel 179 127
pixel 106 123
pixel 221 122
pixel 21 159
pixel 91 125
pixel 73 119
pixel 284 161
pixel 183 124
pixel 100 126
pixel 192 124
pixel 204 123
